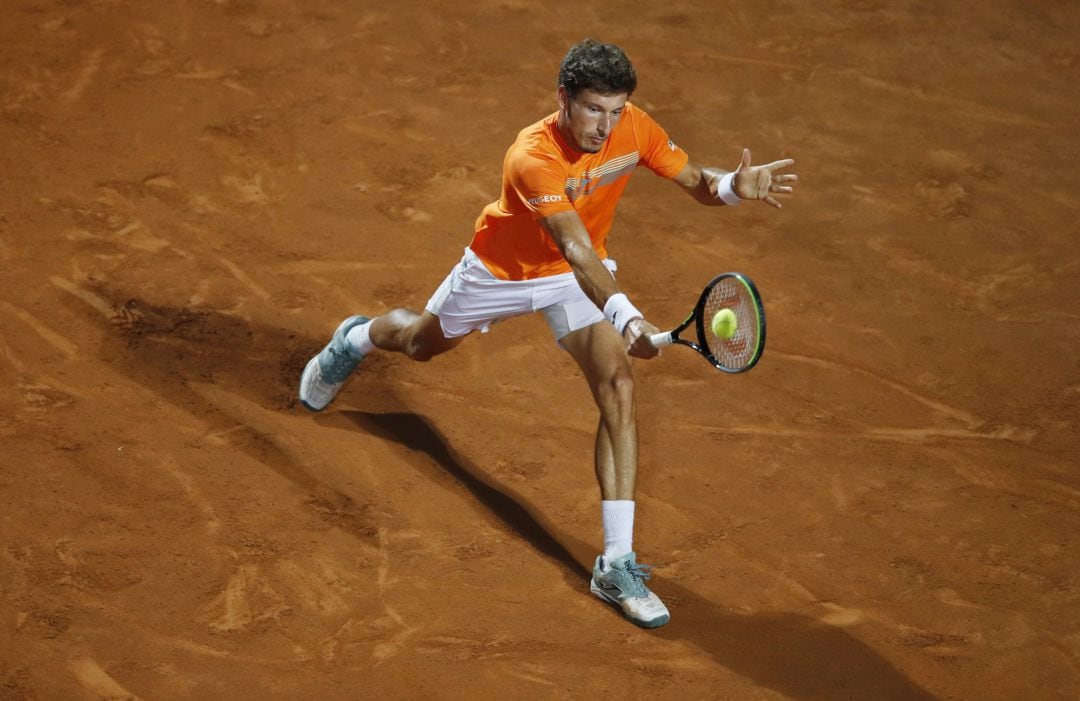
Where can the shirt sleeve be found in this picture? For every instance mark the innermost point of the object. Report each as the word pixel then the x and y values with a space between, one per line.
pixel 658 152
pixel 539 183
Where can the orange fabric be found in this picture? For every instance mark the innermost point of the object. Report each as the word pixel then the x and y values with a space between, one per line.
pixel 543 175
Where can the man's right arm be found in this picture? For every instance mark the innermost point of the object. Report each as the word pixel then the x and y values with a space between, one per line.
pixel 572 239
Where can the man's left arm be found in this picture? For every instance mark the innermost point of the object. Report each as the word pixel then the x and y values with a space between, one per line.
pixel 712 186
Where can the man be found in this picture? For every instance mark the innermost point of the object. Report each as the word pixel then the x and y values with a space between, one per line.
pixel 542 247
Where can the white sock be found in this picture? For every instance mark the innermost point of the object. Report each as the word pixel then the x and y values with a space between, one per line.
pixel 618 517
pixel 359 339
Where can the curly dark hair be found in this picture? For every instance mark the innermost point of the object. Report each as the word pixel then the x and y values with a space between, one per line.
pixel 594 65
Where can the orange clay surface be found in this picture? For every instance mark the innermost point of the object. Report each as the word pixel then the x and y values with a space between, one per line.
pixel 194 194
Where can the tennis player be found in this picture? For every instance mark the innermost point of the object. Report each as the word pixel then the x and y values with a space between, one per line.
pixel 542 247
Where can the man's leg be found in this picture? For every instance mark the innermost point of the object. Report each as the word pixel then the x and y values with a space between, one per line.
pixel 617 577
pixel 469 298
pixel 419 336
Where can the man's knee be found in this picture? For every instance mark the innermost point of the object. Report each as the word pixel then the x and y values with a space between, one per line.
pixel 418 351
pixel 618 386
pixel 427 340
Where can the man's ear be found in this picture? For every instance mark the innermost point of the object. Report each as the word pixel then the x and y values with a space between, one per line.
pixel 563 95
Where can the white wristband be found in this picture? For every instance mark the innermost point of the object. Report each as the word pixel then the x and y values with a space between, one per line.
pixel 725 190
pixel 619 311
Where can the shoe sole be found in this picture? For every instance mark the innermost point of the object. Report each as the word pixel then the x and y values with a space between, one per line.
pixel 303 377
pixel 602 594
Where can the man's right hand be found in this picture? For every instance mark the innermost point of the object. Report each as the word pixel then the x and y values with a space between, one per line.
pixel 637 334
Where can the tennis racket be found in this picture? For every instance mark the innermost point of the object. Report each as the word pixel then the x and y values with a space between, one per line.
pixel 740 351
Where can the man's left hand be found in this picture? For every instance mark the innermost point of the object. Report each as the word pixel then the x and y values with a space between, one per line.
pixel 760 182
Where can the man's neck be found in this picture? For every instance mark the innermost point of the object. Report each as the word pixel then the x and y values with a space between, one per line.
pixel 562 126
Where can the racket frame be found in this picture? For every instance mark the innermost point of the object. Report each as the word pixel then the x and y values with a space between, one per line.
pixel 697 319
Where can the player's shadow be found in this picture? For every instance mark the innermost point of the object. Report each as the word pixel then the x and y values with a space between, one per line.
pixel 793 654
pixel 414 432
pixel 177 353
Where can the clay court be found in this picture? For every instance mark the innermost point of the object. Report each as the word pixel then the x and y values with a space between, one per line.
pixel 195 194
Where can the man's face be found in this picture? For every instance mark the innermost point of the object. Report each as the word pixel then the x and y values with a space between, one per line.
pixel 587 119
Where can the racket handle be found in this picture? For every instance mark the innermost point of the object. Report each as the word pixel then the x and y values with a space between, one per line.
pixel 661 339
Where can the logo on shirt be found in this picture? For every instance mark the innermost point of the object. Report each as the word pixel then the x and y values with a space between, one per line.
pixel 606 173
pixel 671 144
pixel 543 199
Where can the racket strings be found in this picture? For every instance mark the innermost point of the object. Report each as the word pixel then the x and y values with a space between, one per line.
pixel 739 350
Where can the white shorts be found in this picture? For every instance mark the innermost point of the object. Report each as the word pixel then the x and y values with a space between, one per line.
pixel 471 298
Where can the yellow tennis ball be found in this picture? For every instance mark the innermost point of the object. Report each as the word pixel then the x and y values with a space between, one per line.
pixel 724 324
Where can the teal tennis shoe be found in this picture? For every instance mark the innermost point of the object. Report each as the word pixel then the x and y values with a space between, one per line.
pixel 623 584
pixel 325 374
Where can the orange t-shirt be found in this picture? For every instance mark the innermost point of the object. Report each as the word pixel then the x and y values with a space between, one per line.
pixel 543 175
